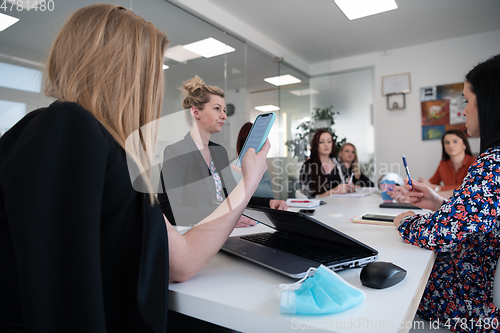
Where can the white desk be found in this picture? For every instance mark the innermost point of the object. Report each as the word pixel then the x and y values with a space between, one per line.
pixel 243 296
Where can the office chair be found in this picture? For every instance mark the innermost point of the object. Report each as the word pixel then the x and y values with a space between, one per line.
pixel 496 286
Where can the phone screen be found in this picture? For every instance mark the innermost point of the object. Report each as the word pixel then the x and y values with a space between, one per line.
pixel 258 134
pixel 388 218
pixel 306 211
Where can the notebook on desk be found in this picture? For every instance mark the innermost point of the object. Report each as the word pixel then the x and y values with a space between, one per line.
pixel 298 242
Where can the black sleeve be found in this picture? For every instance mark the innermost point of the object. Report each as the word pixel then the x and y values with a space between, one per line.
pixel 164 202
pixel 259 201
pixel 54 184
pixel 306 181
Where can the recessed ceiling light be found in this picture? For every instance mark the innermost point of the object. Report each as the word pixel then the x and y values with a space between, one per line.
pixel 209 47
pixel 282 80
pixel 6 21
pixel 267 108
pixel 165 67
pixel 180 54
pixel 304 92
pixel 355 9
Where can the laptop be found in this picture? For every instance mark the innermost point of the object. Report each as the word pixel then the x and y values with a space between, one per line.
pixel 298 243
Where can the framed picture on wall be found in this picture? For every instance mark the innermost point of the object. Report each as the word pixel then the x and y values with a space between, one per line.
pixel 396 84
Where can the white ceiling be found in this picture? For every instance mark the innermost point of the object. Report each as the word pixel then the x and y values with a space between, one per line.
pixel 314 30
pixel 317 30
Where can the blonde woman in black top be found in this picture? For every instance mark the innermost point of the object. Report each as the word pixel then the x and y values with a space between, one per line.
pixel 81 250
pixel 348 157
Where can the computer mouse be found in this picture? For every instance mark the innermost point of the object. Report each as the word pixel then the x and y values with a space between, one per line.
pixel 380 275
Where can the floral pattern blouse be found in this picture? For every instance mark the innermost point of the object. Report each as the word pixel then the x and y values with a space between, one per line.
pixel 466 232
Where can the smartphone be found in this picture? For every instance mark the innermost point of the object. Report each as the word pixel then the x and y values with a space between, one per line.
pixel 306 211
pixel 400 205
pixel 387 218
pixel 258 134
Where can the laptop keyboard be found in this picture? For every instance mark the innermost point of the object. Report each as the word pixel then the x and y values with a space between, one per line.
pixel 326 256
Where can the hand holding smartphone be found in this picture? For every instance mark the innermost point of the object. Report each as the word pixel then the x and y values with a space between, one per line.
pixel 257 135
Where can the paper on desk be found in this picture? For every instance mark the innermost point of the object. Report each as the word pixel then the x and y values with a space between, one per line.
pixel 303 203
pixel 351 195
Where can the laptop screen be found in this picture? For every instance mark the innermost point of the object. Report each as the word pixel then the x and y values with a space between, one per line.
pixel 303 226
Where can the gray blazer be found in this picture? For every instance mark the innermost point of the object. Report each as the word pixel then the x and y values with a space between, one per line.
pixel 187 192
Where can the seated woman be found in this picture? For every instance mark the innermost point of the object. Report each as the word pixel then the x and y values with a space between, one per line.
pixel 456 159
pixel 196 176
pixel 265 188
pixel 455 162
pixel 93 253
pixel 348 157
pixel 465 226
pixel 321 174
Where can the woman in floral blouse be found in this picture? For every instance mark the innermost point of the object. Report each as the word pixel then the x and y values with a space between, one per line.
pixel 464 229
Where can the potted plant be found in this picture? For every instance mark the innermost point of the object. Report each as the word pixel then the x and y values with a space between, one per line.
pixel 320 119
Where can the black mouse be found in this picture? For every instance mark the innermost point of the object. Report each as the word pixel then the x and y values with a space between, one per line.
pixel 380 275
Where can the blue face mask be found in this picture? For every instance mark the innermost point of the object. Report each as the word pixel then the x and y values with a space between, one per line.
pixel 323 293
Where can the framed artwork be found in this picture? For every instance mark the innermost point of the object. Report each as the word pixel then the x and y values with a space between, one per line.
pixel 433 132
pixel 435 112
pixel 395 84
pixel 442 109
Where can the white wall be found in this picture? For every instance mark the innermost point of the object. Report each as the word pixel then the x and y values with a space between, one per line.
pixel 351 95
pixel 437 63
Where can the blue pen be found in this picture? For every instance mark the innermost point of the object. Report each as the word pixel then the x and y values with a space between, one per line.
pixel 407 171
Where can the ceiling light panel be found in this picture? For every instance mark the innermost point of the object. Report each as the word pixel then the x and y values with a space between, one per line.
pixel 355 9
pixel 304 92
pixel 267 108
pixel 282 80
pixel 180 54
pixel 6 21
pixel 209 47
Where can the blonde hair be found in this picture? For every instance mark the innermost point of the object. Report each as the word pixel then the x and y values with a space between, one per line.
pixel 109 60
pixel 355 164
pixel 196 93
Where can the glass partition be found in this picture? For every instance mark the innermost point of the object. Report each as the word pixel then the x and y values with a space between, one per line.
pixel 348 93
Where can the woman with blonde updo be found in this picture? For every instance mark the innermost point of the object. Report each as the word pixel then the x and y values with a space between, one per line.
pixel 196 173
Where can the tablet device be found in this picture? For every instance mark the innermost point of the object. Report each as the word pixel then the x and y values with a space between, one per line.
pixel 258 134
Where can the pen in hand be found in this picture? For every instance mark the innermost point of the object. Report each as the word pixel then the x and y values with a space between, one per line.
pixel 350 182
pixel 407 172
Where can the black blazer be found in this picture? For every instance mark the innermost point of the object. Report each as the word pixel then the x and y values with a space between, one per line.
pixel 80 249
pixel 187 193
